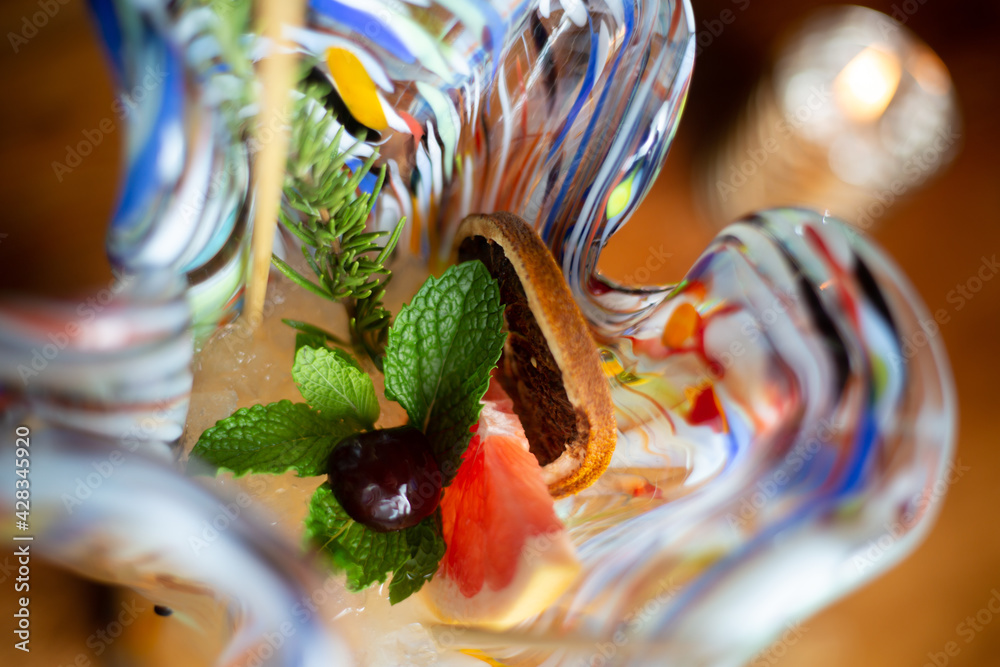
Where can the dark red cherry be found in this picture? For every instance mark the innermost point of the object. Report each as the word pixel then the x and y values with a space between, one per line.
pixel 386 479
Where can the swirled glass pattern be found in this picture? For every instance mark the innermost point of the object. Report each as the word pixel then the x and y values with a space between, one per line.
pixel 774 413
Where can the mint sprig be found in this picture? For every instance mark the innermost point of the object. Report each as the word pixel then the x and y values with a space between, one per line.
pixel 272 439
pixel 440 352
pixel 439 355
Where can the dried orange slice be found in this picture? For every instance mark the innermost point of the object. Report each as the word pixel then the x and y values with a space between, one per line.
pixel 550 365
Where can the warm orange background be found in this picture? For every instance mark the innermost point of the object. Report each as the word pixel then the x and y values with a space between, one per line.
pixel 51 241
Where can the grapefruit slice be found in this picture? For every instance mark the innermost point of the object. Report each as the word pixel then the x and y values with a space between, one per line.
pixel 550 365
pixel 508 555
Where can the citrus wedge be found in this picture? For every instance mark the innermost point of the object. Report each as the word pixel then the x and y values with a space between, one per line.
pixel 508 555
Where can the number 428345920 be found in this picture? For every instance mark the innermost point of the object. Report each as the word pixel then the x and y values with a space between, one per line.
pixel 22 465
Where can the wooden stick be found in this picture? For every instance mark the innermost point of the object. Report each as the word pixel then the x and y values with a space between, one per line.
pixel 277 73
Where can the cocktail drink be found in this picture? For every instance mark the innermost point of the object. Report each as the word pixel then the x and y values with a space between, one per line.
pixel 774 411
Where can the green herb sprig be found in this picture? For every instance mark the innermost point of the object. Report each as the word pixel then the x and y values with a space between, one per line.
pixel 441 350
pixel 322 208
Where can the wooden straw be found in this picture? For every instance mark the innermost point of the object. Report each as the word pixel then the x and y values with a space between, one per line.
pixel 277 72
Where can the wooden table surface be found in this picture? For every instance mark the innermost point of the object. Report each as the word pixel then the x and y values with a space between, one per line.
pixel 51 242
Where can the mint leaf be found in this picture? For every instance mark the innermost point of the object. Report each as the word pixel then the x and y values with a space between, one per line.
pixel 368 556
pixel 308 340
pixel 440 352
pixel 426 551
pixel 365 555
pixel 272 438
pixel 332 383
pixel 312 333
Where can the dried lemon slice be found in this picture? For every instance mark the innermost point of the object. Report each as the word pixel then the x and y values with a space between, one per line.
pixel 550 365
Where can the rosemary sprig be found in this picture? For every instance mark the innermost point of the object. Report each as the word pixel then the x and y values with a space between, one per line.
pixel 323 209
